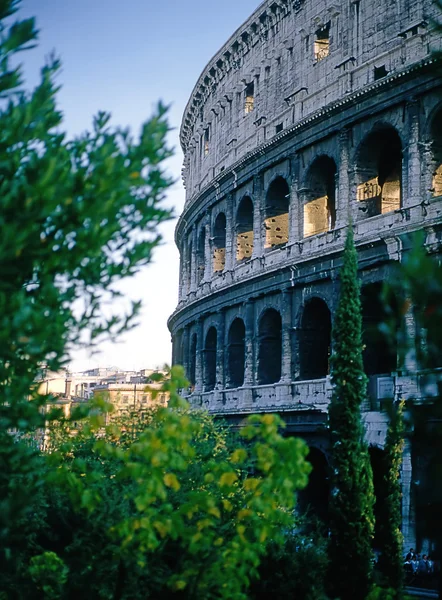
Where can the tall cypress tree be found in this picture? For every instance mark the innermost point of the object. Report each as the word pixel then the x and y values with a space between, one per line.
pixel 391 559
pixel 352 499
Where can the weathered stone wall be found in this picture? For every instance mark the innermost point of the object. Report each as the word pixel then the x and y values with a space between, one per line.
pixel 346 121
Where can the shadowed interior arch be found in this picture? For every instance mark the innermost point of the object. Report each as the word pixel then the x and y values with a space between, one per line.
pixel 277 213
pixel 200 256
pixel 315 340
pixel 244 229
pixel 236 354
pixel 210 348
pixel 270 347
pixel 379 173
pixel 313 499
pixel 320 206
pixel 219 243
pixel 192 360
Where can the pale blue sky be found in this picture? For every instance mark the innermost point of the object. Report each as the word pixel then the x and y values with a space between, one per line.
pixel 123 57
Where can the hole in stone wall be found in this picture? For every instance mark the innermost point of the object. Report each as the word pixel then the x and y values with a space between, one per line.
pixel 379 353
pixel 436 134
pixel 313 499
pixel 206 141
pixel 244 229
pixel 236 354
pixel 315 340
pixel 249 101
pixel 270 347
pixel 200 256
pixel 379 173
pixel 279 128
pixel 322 42
pixel 380 72
pixel 320 208
pixel 210 348
pixel 219 243
pixel 277 213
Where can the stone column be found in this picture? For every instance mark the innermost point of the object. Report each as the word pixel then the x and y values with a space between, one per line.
pixel 230 234
pixel 295 208
pixel 208 253
pixel 186 350
pixel 250 347
pixel 286 366
pixel 258 215
pixel 199 370
pixel 220 351
pixel 411 169
pixel 408 519
pixel 344 195
pixel 410 359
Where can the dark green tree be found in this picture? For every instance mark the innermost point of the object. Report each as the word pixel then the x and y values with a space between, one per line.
pixel 352 498
pixel 391 560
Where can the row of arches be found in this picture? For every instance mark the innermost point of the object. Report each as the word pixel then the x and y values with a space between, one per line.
pixel 375 185
pixel 312 339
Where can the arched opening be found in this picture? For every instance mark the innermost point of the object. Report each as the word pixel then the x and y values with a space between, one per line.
pixel 379 354
pixel 192 360
pixel 219 243
pixel 315 340
pixel 244 229
pixel 270 347
pixel 320 207
pixel 277 213
pixel 188 265
pixel 236 354
pixel 380 470
pixel 210 347
pixel 178 348
pixel 379 173
pixel 313 499
pixel 436 136
pixel 200 256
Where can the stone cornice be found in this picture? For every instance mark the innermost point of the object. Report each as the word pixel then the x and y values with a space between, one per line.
pixel 230 56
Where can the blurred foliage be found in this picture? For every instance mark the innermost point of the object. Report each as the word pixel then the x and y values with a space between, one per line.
pixel 352 496
pixel 179 507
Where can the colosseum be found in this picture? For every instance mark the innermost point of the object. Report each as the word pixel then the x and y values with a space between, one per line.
pixel 312 113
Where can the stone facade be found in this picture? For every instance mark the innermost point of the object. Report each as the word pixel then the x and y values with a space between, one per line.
pixel 313 111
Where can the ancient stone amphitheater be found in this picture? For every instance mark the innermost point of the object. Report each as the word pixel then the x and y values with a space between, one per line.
pixel 314 110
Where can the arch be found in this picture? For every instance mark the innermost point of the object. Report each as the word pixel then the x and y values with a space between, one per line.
pixel 200 256
pixel 436 138
pixel 236 353
pixel 320 206
pixel 313 499
pixel 219 243
pixel 192 360
pixel 270 347
pixel 244 229
pixel 380 355
pixel 315 340
pixel 188 265
pixel 276 220
pixel 379 172
pixel 209 369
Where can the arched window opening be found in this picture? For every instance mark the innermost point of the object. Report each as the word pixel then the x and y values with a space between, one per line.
pixel 200 256
pixel 236 354
pixel 192 360
pixel 315 340
pixel 270 347
pixel 244 229
pixel 210 348
pixel 379 352
pixel 178 348
pixel 313 499
pixel 320 207
pixel 436 136
pixel 379 173
pixel 277 213
pixel 219 243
